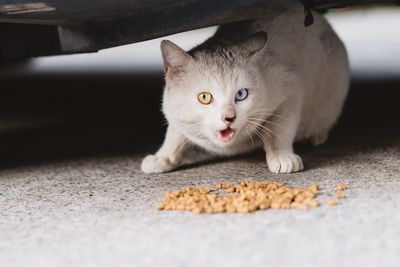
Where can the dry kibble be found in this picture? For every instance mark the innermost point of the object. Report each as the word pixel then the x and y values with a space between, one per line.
pixel 341 186
pixel 264 206
pixel 311 202
pixel 197 210
pixel 314 203
pixel 224 185
pixel 331 202
pixel 230 208
pixel 205 190
pixel 299 198
pixel 340 195
pixel 276 205
pixel 243 197
pixel 301 207
pixel 314 188
pixel 230 190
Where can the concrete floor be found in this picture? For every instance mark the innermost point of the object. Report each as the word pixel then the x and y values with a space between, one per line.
pixel 72 194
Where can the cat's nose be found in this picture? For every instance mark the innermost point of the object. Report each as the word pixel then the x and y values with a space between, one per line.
pixel 229 119
pixel 228 114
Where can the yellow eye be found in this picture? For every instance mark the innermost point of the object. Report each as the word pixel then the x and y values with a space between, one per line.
pixel 205 98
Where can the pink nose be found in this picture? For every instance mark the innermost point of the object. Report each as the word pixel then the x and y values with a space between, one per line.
pixel 229 119
pixel 228 114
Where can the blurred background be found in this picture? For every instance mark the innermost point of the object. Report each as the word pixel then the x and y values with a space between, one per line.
pixel 97 102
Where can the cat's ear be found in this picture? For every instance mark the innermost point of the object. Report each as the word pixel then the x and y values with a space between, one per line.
pixel 255 42
pixel 175 58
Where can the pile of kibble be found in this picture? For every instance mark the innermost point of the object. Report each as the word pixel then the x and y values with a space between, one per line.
pixel 245 197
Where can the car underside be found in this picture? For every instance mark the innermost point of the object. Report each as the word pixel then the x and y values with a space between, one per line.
pixel 52 27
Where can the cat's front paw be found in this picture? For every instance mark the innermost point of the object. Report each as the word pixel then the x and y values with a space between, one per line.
pixel 154 164
pixel 284 162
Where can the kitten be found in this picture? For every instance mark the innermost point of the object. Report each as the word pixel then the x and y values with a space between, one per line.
pixel 242 89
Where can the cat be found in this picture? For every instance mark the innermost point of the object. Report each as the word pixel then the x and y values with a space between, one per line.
pixel 264 82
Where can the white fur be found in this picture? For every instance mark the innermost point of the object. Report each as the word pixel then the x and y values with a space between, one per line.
pixel 297 84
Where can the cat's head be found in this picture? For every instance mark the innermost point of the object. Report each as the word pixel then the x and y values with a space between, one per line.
pixel 210 94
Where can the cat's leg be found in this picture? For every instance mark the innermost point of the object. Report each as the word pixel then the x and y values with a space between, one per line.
pixel 170 154
pixel 279 133
pixel 319 138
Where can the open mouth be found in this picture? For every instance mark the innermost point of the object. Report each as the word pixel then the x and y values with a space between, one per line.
pixel 225 135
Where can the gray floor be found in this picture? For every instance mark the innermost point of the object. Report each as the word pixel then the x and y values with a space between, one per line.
pixel 74 195
pixel 101 212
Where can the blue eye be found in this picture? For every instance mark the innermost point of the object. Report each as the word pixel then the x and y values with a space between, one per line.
pixel 241 94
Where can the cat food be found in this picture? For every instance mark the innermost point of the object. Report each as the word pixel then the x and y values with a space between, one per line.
pixel 314 188
pixel 340 195
pixel 331 202
pixel 242 197
pixel 341 186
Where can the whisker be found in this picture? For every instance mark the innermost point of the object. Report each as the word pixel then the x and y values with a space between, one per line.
pixel 268 121
pixel 264 109
pixel 275 134
pixel 246 130
pixel 257 126
pixel 277 125
pixel 263 139
pixel 190 130
pixel 263 127
pixel 268 114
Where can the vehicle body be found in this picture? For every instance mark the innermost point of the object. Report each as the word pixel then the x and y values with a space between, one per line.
pixel 52 27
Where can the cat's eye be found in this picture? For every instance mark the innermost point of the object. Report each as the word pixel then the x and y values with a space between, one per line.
pixel 241 94
pixel 205 98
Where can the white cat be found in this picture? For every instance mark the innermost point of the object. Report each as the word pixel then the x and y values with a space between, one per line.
pixel 241 89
